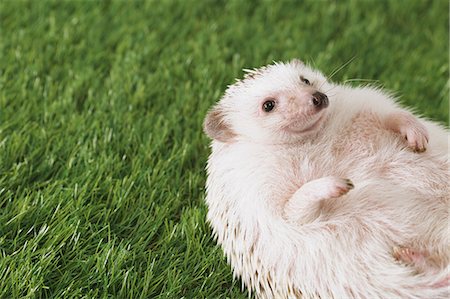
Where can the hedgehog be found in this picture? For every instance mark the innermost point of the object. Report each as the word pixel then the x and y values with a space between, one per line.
pixel 323 190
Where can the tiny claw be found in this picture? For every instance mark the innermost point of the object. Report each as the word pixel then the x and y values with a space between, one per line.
pixel 396 253
pixel 420 150
pixel 350 184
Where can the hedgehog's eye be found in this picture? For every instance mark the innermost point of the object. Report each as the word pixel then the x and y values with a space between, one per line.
pixel 304 80
pixel 268 105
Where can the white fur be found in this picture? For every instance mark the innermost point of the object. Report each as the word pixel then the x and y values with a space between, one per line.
pixel 343 247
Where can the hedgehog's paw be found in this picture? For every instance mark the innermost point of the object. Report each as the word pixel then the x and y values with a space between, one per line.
pixel 409 256
pixel 330 187
pixel 416 135
pixel 410 128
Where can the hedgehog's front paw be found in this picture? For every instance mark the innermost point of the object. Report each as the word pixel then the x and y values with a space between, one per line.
pixel 339 187
pixel 305 204
pixel 330 187
pixel 410 128
pixel 416 135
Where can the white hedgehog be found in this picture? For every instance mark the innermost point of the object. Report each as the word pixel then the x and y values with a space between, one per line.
pixel 287 148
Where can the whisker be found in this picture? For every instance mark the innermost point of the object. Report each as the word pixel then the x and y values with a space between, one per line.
pixel 340 68
pixel 313 61
pixel 361 80
pixel 330 89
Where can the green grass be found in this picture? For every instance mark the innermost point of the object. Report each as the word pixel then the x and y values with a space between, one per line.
pixel 102 153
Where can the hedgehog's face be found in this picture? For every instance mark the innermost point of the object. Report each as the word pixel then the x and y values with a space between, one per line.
pixel 281 103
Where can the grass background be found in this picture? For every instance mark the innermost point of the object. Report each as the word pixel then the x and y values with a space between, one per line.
pixel 102 153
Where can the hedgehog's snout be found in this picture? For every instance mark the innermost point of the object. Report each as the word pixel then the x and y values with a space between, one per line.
pixel 319 100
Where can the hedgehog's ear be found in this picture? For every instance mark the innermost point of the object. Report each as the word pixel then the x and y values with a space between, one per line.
pixel 297 62
pixel 216 127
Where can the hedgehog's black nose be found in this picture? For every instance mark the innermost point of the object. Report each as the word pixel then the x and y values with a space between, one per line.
pixel 319 100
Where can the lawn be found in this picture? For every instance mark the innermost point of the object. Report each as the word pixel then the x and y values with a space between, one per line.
pixel 102 153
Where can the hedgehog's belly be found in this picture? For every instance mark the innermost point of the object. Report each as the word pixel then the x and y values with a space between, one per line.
pixel 363 137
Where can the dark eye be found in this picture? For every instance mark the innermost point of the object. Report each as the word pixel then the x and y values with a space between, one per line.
pixel 269 105
pixel 304 80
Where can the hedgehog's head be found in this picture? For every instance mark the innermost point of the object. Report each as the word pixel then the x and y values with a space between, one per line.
pixel 279 103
